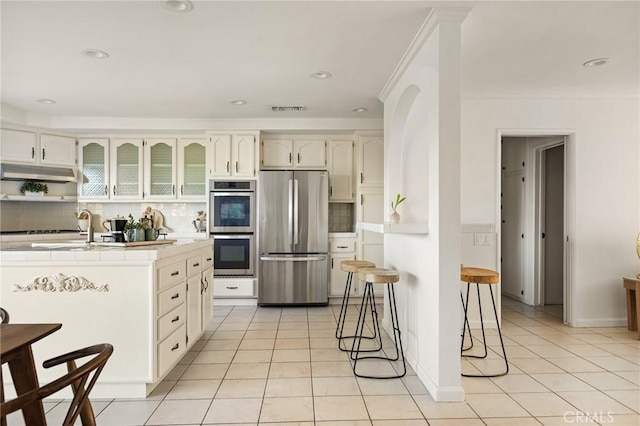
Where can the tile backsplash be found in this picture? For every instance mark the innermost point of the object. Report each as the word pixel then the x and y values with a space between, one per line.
pixel 23 215
pixel 341 217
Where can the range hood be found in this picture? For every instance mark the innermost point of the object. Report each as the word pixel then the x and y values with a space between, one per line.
pixel 9 171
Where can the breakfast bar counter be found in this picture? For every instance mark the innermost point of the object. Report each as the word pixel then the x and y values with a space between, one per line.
pixel 152 303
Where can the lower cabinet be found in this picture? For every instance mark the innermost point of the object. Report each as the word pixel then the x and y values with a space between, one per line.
pixel 184 305
pixel 341 249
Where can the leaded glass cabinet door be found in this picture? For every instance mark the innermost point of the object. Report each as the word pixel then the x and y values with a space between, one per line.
pixel 160 169
pixel 126 169
pixel 93 163
pixel 192 169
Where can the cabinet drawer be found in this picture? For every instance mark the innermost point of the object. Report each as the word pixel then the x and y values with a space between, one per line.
pixel 171 321
pixel 194 265
pixel 171 274
pixel 170 299
pixel 231 289
pixel 171 349
pixel 342 246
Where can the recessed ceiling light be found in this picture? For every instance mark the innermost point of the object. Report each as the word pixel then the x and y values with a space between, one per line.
pixel 596 62
pixel 178 5
pixel 95 54
pixel 361 109
pixel 239 102
pixel 321 75
pixel 46 101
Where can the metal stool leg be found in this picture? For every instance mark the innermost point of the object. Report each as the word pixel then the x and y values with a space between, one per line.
pixel 484 338
pixel 393 311
pixel 343 318
pixel 465 323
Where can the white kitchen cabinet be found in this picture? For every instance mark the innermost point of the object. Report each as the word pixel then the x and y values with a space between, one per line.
pixel 125 157
pixel 277 153
pixel 24 146
pixel 340 163
pixel 371 161
pixel 341 249
pixel 93 165
pixel 233 154
pixel 310 153
pixel 194 307
pixel 57 150
pixel 207 294
pixel 192 168
pixel 294 153
pixel 160 169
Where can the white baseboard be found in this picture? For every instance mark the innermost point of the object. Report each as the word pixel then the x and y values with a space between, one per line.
pixel 440 394
pixel 601 322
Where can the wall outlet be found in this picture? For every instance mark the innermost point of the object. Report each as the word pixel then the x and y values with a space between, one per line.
pixel 481 239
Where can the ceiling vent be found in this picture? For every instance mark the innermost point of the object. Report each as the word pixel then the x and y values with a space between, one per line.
pixel 288 108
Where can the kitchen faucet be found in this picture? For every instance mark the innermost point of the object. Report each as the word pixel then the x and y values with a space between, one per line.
pixel 89 227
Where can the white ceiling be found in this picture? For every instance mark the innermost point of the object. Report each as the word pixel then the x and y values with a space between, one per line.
pixel 190 65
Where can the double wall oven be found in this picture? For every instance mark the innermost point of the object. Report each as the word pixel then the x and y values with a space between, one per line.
pixel 232 222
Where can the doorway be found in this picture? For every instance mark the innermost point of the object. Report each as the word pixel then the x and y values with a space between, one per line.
pixel 533 221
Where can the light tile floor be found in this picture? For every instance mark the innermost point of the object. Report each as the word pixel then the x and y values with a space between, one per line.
pixel 281 366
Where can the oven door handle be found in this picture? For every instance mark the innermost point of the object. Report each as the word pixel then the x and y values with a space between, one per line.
pixel 231 194
pixel 290 221
pixel 232 237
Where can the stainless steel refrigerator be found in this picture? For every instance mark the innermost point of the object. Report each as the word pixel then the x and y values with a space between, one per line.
pixel 293 211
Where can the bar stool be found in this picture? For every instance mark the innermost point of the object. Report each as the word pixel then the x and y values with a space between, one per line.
pixel 351 267
pixel 480 276
pixel 370 277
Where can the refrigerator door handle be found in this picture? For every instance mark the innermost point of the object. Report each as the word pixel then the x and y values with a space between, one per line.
pixel 293 259
pixel 295 212
pixel 290 221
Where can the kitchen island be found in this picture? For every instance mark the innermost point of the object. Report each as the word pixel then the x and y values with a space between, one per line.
pixel 152 303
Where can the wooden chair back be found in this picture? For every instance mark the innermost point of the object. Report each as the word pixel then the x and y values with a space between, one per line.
pixel 82 379
pixel 4 316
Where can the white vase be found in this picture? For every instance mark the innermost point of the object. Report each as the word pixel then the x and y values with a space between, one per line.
pixel 33 194
pixel 394 217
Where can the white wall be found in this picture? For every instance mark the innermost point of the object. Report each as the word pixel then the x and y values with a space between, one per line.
pixel 422 161
pixel 604 152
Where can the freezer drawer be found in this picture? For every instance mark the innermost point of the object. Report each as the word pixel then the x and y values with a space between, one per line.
pixel 293 279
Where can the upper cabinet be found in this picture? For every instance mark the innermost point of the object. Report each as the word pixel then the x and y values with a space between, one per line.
pixel 93 165
pixel 24 146
pixel 340 164
pixel 126 156
pixel 371 161
pixel 192 168
pixel 233 154
pixel 160 169
pixel 143 169
pixel 294 153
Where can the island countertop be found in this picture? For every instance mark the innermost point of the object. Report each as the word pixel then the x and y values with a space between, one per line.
pixel 24 251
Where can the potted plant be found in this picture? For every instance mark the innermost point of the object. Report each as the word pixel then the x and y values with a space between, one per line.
pixel 395 216
pixel 134 229
pixel 32 188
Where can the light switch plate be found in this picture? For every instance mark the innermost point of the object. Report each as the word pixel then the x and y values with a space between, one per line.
pixel 481 239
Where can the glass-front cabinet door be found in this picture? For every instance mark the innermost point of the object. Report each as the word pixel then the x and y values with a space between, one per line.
pixel 93 164
pixel 160 169
pixel 192 169
pixel 126 169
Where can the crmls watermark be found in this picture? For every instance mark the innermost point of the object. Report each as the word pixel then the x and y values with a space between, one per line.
pixel 586 417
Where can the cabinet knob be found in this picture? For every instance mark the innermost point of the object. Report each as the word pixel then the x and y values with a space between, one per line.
pixel 175 347
pixel 43 154
pixel 290 157
pixel 33 152
pixel 236 167
pixel 106 190
pixel 176 319
pixel 298 158
pixel 114 190
pixel 228 164
pixel 181 189
pixel 173 190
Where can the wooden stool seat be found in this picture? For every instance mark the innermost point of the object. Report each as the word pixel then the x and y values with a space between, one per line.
pixel 378 276
pixel 355 265
pixel 478 275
